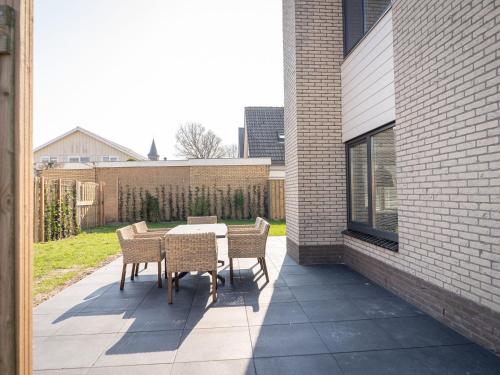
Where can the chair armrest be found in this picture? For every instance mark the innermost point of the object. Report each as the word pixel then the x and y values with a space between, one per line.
pixel 138 250
pixel 165 230
pixel 150 235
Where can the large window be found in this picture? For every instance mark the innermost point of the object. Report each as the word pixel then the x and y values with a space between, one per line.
pixel 371 174
pixel 359 18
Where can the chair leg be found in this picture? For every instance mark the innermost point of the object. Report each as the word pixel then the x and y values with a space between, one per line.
pixel 165 268
pixel 137 269
pixel 124 271
pixel 231 276
pixel 159 274
pixel 214 286
pixel 177 281
pixel 133 272
pixel 261 264
pixel 265 269
pixel 169 287
pixel 145 266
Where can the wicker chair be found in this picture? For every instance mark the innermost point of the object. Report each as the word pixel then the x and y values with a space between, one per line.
pixel 202 220
pixel 246 228
pixel 142 229
pixel 249 244
pixel 191 252
pixel 139 250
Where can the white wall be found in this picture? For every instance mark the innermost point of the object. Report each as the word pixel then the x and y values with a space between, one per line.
pixel 368 82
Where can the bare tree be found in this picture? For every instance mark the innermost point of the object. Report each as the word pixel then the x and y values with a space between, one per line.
pixel 231 151
pixel 196 142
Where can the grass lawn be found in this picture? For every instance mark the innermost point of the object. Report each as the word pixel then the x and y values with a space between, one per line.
pixel 60 263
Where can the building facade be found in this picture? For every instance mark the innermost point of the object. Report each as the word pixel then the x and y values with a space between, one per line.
pixel 82 146
pixel 392 138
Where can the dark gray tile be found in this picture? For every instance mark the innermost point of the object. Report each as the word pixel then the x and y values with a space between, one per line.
pixel 214 344
pixel 365 290
pixel 356 335
pixel 66 371
pixel 231 367
pixel 276 313
pixel 47 325
pixel 159 369
pixel 331 310
pixel 384 362
pixel 420 331
pixel 317 293
pixel 268 295
pixel 387 307
pixel 324 277
pixel 157 318
pixel 321 364
pixel 217 317
pixel 141 348
pixel 459 360
pixel 284 340
pixel 56 352
pixel 87 324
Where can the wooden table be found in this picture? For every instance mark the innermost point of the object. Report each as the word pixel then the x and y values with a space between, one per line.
pixel 220 231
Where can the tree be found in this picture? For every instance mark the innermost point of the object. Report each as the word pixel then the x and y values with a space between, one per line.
pixel 231 151
pixel 196 142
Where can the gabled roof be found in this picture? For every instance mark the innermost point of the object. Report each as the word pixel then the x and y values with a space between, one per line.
pixel 264 126
pixel 125 150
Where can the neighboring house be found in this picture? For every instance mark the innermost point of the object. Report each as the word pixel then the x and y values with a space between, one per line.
pixel 264 137
pixel 82 146
pixel 393 149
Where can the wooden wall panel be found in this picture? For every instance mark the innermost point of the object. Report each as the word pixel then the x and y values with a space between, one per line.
pixel 16 187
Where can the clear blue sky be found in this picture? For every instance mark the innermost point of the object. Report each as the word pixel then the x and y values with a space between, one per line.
pixel 131 70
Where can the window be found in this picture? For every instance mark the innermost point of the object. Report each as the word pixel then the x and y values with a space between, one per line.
pixel 281 138
pixel 110 158
pixel 84 159
pixel 73 159
pixel 48 159
pixel 359 18
pixel 372 192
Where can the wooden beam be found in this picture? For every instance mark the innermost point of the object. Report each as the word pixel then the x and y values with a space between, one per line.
pixel 16 186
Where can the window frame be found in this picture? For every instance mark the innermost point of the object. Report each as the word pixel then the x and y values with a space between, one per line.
pixel 357 226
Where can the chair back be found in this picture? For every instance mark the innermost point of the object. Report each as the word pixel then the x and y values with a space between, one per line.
pixel 191 252
pixel 124 234
pixel 140 227
pixel 202 220
pixel 258 222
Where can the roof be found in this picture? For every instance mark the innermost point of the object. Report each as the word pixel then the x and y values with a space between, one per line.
pixel 125 150
pixel 241 142
pixel 153 153
pixel 263 127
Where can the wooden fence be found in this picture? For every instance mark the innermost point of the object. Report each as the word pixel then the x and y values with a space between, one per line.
pixel 63 207
pixel 276 199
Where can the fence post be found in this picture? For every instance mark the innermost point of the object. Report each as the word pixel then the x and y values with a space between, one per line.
pixel 41 211
pixel 101 204
pixel 77 206
pixel 59 206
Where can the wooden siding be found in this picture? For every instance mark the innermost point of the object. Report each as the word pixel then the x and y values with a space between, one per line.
pixel 277 199
pixel 79 144
pixel 368 97
pixel 16 188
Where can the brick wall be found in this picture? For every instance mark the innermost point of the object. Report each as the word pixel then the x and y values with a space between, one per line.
pixel 251 179
pixel 83 175
pixel 316 199
pixel 447 80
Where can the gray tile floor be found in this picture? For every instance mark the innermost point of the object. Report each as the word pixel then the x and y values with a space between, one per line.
pixel 307 320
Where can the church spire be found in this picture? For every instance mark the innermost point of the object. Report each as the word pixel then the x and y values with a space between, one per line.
pixel 153 153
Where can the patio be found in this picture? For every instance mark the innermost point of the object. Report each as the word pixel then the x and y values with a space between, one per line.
pixel 307 320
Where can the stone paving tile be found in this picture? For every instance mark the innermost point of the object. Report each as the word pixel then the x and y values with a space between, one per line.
pixel 285 340
pixel 276 313
pixel 231 367
pixel 214 344
pixel 252 323
pixel 320 364
pixel 140 348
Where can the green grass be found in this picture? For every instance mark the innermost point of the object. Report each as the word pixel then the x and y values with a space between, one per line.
pixel 57 263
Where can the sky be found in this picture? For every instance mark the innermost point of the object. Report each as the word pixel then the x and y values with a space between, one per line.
pixel 134 70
